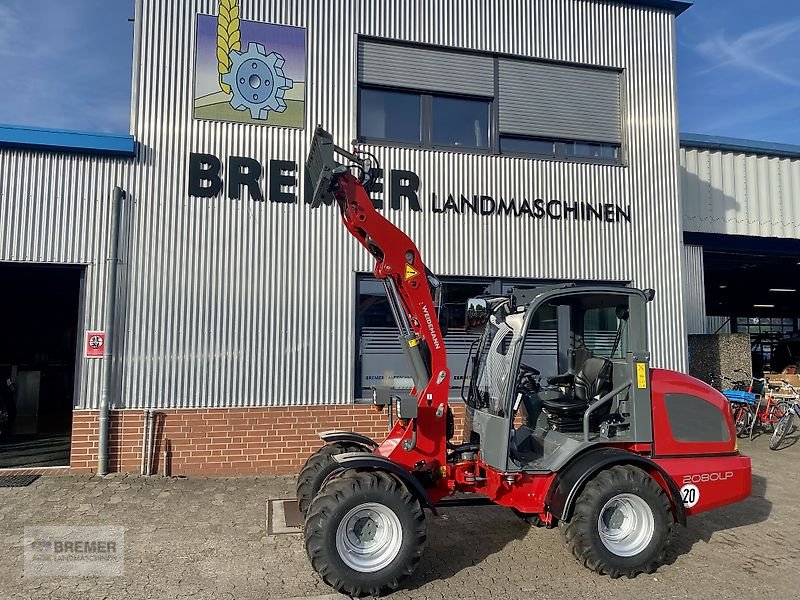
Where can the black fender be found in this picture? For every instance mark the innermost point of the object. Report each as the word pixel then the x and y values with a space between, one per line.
pixel 330 437
pixel 571 478
pixel 375 462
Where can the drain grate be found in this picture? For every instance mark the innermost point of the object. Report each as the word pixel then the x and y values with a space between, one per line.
pixel 17 480
pixel 283 516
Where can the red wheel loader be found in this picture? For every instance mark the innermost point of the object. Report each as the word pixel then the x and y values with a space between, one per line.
pixel 566 422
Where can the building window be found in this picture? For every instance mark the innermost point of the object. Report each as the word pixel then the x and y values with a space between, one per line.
pixel 588 150
pixel 427 120
pixel 766 333
pixel 381 362
pixel 390 115
pixel 520 145
pixel 600 330
pixel 459 122
pixel 415 94
pixel 559 149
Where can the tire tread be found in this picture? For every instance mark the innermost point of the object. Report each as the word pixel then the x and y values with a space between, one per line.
pixel 334 493
pixel 309 475
pixel 578 531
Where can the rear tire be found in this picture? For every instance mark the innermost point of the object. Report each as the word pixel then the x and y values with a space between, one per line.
pixel 317 468
pixel 621 524
pixel 783 427
pixel 365 533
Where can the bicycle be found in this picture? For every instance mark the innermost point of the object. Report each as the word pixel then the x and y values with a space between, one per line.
pixel 741 399
pixel 768 410
pixel 784 425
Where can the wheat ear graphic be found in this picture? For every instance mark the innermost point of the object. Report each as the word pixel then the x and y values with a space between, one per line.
pixel 228 38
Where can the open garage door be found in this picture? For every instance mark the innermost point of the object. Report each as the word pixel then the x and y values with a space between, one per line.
pixel 39 308
pixel 754 284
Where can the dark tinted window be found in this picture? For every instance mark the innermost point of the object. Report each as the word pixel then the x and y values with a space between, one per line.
pixel 562 149
pixel 389 115
pixel 585 150
pixel 373 307
pixel 692 419
pixel 459 122
pixel 514 145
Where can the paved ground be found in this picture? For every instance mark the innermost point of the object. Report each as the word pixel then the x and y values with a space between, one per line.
pixel 206 538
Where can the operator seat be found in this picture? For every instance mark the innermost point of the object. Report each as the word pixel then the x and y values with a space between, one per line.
pixel 565 410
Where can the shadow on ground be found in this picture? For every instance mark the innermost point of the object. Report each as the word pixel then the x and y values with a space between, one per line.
pixel 463 537
pixel 753 510
pixel 35 450
pixel 789 440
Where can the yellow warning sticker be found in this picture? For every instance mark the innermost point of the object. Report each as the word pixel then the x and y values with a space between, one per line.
pixel 411 272
pixel 413 342
pixel 641 376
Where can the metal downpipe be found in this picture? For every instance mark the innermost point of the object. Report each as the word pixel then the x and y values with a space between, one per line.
pixel 108 321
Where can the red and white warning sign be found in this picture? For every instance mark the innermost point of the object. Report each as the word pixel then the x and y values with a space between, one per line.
pixel 95 344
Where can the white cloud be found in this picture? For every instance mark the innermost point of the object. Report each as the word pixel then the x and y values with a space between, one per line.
pixel 749 51
pixel 9 26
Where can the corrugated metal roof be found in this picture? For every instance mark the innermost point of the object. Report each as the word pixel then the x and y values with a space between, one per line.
pixel 713 142
pixel 80 142
pixel 676 6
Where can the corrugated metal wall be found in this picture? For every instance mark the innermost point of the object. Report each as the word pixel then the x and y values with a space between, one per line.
pixel 694 296
pixel 738 193
pixel 237 303
pixel 55 208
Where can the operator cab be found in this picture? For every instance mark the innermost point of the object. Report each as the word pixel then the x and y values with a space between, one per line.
pixel 557 369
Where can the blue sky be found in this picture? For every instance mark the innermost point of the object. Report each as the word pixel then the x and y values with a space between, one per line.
pixel 67 64
pixel 739 69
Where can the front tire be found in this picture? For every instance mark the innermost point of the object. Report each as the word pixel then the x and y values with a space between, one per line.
pixel 365 533
pixel 621 524
pixel 317 468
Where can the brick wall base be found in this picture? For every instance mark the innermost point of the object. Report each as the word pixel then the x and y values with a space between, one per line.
pixel 223 441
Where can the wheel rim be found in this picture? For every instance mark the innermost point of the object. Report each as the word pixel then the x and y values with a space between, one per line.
pixel 369 537
pixel 626 525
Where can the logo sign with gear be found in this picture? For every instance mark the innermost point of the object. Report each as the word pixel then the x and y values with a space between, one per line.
pixel 257 81
pixel 249 71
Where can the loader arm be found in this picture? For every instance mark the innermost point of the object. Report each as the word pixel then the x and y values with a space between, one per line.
pixel 418 439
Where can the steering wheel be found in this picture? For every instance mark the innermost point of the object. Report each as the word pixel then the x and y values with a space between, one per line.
pixel 528 377
pixel 528 381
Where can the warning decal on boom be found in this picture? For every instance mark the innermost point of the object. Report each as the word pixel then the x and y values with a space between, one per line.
pixel 411 272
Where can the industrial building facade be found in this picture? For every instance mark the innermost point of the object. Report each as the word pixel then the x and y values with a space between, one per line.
pixel 521 141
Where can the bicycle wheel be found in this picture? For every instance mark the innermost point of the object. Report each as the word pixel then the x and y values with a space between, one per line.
pixel 783 427
pixel 743 419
